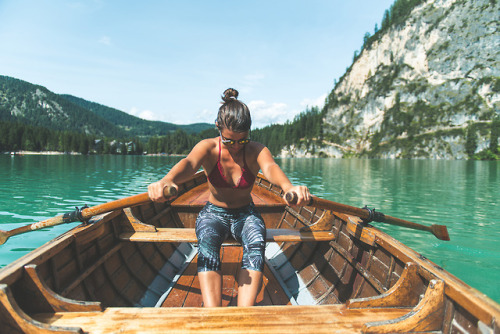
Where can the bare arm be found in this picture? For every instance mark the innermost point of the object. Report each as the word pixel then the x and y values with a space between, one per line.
pixel 275 175
pixel 182 171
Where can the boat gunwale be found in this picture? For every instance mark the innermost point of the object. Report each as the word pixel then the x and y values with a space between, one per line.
pixel 472 300
pixel 14 270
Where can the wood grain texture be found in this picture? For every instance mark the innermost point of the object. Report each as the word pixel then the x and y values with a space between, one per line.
pixel 268 319
pixel 189 235
pixel 186 292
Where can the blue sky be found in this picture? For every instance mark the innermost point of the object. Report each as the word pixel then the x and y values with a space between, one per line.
pixel 171 60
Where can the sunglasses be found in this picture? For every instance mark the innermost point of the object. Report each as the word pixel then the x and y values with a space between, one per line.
pixel 230 142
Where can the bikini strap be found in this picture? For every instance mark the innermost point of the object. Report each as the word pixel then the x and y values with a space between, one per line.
pixel 244 157
pixel 220 149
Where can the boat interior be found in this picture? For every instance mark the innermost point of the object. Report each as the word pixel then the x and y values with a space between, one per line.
pixel 135 270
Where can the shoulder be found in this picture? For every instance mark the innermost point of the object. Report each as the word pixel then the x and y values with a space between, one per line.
pixel 204 147
pixel 258 152
pixel 255 148
pixel 207 144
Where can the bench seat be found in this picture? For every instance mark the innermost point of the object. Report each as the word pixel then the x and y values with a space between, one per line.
pixel 189 235
pixel 265 319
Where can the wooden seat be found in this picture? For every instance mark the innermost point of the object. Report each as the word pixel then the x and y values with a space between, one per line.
pixel 265 319
pixel 189 235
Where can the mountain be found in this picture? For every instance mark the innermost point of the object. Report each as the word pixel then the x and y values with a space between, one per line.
pixel 426 85
pixel 35 105
pixel 135 126
pixel 21 101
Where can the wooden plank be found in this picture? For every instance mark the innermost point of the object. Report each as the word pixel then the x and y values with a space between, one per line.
pixel 472 300
pixel 359 268
pixel 427 316
pixel 111 281
pixel 88 293
pixel 274 290
pixel 263 197
pixel 56 302
pixel 90 270
pixel 263 297
pixel 197 196
pixel 403 294
pixel 231 259
pixel 179 292
pixel 14 271
pixel 15 320
pixel 186 291
pixel 356 229
pixel 194 298
pixel 189 235
pixel 269 319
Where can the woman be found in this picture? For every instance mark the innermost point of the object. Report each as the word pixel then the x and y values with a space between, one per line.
pixel 231 163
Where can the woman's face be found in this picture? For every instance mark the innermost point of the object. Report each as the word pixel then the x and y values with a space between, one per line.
pixel 233 141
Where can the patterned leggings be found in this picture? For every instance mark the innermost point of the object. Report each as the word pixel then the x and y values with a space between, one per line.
pixel 213 226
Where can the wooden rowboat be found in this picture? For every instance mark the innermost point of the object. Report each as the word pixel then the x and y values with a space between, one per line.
pixel 133 270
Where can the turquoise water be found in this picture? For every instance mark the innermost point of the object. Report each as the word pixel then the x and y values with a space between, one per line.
pixel 460 194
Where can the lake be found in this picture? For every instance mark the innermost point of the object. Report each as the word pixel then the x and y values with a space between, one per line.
pixel 460 194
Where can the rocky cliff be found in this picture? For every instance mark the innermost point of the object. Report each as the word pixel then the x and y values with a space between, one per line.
pixel 425 88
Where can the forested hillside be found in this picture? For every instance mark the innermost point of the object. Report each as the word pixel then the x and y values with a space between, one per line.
pixel 304 130
pixel 23 102
pixel 32 118
pixel 35 105
pixel 17 137
pixel 135 126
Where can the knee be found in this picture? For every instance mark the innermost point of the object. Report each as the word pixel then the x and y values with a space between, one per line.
pixel 208 257
pixel 254 255
pixel 209 251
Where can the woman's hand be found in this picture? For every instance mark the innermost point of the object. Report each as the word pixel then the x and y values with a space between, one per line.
pixel 156 190
pixel 303 195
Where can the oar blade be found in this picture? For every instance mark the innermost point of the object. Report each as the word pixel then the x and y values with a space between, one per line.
pixel 3 237
pixel 441 232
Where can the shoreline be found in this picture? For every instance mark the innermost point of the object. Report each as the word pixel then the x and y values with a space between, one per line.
pixel 13 153
pixel 41 153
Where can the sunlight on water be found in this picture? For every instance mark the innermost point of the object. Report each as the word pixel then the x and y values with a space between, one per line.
pixel 460 194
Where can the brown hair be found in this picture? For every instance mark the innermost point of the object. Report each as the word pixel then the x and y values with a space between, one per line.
pixel 233 114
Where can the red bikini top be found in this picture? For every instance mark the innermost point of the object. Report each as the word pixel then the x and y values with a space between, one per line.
pixel 218 180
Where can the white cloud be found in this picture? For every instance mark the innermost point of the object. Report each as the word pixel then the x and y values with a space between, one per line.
pixel 106 40
pixel 317 102
pixel 206 116
pixel 264 113
pixel 144 114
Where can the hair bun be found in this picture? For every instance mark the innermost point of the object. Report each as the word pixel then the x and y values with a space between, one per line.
pixel 230 94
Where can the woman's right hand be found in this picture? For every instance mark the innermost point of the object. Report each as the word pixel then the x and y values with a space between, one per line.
pixel 156 190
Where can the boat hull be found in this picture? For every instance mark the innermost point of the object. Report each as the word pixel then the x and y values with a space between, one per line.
pixel 318 264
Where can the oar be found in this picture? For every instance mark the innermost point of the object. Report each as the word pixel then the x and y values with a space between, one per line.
pixel 368 215
pixel 85 213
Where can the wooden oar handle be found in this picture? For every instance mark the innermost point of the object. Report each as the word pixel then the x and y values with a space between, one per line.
pixel 169 191
pixel 324 204
pixel 292 198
